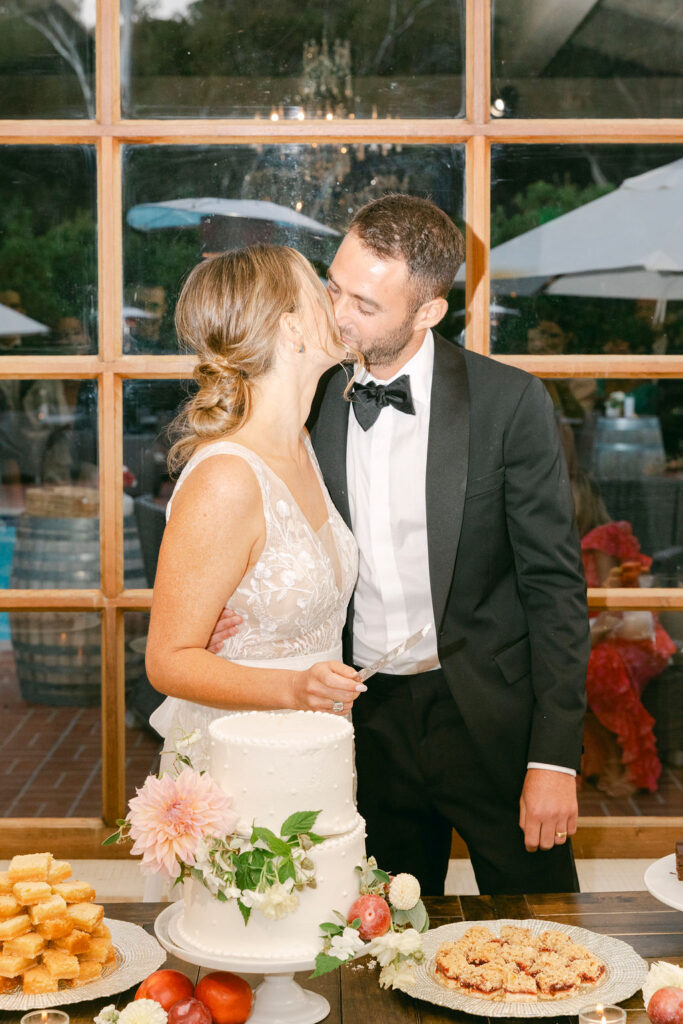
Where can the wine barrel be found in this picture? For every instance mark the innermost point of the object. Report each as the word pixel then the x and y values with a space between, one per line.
pixel 58 654
pixel 627 447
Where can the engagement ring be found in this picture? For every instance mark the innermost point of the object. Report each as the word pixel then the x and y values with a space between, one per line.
pixel 337 706
pixel 560 835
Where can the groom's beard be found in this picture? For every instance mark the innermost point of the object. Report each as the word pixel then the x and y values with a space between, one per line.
pixel 385 350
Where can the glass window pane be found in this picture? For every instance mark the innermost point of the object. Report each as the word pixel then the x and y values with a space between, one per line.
pixel 47 59
pixel 51 752
pixel 48 250
pixel 306 195
pixel 587 58
pixel 584 249
pixel 143 744
pixel 199 58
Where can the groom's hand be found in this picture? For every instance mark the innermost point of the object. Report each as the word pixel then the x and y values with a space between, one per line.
pixel 548 808
pixel 226 626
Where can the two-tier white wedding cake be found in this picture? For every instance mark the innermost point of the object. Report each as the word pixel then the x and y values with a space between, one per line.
pixel 274 764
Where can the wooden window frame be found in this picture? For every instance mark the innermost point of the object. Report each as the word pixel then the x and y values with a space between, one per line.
pixel 652 836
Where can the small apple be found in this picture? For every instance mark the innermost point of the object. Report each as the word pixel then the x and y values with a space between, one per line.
pixel 374 914
pixel 189 1011
pixel 666 1006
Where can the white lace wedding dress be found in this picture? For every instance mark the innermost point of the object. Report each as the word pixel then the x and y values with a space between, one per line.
pixel 292 602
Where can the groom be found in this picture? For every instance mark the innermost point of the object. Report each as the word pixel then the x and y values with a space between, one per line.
pixel 448 468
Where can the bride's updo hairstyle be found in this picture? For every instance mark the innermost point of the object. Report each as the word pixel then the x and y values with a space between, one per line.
pixel 228 314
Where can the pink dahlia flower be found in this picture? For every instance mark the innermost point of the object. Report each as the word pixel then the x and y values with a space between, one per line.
pixel 169 816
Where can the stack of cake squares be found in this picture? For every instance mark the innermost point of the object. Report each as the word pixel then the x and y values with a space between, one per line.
pixel 52 934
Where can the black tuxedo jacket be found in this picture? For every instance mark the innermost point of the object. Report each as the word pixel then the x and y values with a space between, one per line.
pixel 505 571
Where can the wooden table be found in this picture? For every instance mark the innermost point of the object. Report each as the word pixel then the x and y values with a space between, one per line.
pixel 654 930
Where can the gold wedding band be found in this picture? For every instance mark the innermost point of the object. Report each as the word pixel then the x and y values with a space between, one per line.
pixel 560 835
pixel 337 706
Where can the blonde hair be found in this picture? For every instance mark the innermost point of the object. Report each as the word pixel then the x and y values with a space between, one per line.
pixel 229 313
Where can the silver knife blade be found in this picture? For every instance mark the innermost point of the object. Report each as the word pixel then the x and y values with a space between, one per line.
pixel 394 653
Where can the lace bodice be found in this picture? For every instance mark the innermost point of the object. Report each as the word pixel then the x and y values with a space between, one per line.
pixel 293 601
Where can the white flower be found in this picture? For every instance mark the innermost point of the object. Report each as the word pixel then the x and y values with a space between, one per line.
pixel 288 577
pixel 230 891
pixel 279 900
pixel 108 1015
pixel 394 944
pixel 346 945
pixel 397 975
pixel 404 892
pixel 661 975
pixel 143 1011
pixel 251 898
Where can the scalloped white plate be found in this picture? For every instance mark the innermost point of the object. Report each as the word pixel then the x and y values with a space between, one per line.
pixel 663 883
pixel 137 955
pixel 626 972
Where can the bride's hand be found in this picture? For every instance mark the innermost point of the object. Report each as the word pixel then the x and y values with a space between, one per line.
pixel 226 627
pixel 325 686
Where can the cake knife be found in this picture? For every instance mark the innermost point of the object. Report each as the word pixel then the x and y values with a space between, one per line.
pixel 394 653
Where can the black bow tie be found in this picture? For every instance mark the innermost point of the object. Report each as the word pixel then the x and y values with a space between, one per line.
pixel 369 399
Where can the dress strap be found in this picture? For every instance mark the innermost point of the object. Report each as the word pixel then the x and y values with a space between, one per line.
pixel 224 448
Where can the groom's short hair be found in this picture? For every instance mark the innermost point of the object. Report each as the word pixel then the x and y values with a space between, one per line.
pixel 414 230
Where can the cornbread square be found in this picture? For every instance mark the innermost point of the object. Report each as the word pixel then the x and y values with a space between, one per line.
pixel 85 916
pixel 59 871
pixel 30 867
pixel 30 944
pixel 37 980
pixel 11 964
pixel 76 942
pixel 28 893
pixel 6 883
pixel 60 964
pixel 101 932
pixel 8 984
pixel 75 892
pixel 55 928
pixel 8 906
pixel 54 906
pixel 98 949
pixel 88 971
pixel 111 958
pixel 14 926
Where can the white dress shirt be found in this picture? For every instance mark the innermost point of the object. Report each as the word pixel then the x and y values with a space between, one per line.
pixel 386 469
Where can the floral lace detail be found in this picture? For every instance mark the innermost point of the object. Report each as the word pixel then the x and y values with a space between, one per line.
pixel 290 602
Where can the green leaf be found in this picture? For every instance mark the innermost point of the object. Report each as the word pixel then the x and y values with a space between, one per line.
pixel 277 845
pixel 315 839
pixel 381 876
pixel 112 839
pixel 324 964
pixel 301 821
pixel 221 897
pixel 244 911
pixel 331 929
pixel 287 870
pixel 416 917
pixel 355 923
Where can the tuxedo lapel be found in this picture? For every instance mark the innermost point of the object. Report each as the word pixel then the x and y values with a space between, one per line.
pixel 329 431
pixel 447 459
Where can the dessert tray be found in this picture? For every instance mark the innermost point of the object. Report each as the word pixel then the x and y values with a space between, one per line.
pixel 137 955
pixel 625 973
pixel 662 882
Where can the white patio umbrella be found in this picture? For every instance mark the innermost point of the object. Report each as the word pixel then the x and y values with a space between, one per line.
pixel 13 323
pixel 626 244
pixel 174 213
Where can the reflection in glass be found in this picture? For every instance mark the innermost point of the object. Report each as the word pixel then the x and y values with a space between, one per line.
pixel 585 256
pixel 587 58
pixel 143 744
pixel 48 250
pixel 212 199
pixel 47 59
pixel 50 759
pixel 198 58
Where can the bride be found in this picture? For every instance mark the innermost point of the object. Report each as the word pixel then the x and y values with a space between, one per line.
pixel 250 522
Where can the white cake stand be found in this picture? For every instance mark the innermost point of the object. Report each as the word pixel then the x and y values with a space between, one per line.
pixel 278 999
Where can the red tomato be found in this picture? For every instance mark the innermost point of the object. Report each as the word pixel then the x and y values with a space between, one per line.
pixel 166 988
pixel 227 996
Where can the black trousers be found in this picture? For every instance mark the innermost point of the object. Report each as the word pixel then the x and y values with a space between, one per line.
pixel 420 776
